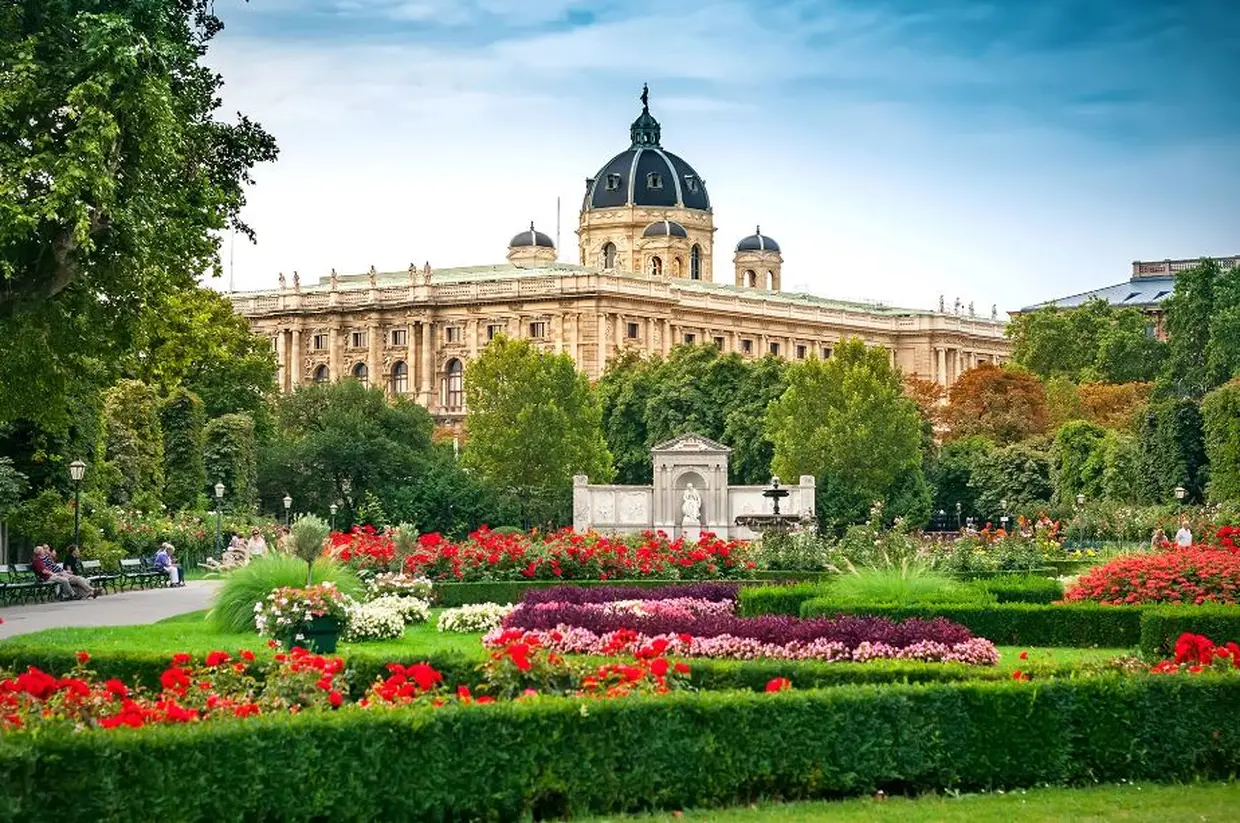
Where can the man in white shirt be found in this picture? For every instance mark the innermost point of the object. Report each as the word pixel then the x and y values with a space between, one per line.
pixel 1184 537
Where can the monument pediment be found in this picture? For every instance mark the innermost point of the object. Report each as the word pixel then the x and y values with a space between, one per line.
pixel 691 443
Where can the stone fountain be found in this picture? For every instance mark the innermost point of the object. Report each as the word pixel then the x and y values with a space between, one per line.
pixel 775 521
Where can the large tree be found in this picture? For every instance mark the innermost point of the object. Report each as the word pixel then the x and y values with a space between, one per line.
pixel 1001 403
pixel 1203 326
pixel 532 421
pixel 117 179
pixel 847 422
pixel 1094 341
pixel 1220 411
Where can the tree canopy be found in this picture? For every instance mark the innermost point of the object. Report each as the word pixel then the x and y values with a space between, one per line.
pixel 846 422
pixel 1092 342
pixel 532 420
pixel 1002 403
pixel 117 178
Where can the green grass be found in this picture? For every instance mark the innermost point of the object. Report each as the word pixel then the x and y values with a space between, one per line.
pixel 1125 803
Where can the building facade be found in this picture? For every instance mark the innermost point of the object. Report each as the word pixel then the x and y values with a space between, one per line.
pixel 645 281
pixel 1150 284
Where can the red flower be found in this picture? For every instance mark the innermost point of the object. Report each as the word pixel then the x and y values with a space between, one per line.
pixel 247 655
pixel 180 659
pixel 1019 675
pixel 83 658
pixel 1023 655
pixel 334 698
pixel 659 667
pixel 174 679
pixel 779 684
pixel 116 688
pixel 216 658
pixel 682 668
pixel 425 676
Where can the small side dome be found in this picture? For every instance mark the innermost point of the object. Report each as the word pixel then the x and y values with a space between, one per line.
pixel 665 228
pixel 757 242
pixel 531 238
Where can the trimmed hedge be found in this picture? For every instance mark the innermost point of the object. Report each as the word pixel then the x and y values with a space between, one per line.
pixel 564 758
pixel 755 601
pixel 1161 626
pixel 1026 588
pixel 1015 624
pixel 449 595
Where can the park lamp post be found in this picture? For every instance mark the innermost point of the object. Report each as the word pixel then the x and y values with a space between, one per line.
pixel 333 508
pixel 288 506
pixel 77 471
pixel 1003 516
pixel 1180 493
pixel 958 507
pixel 219 517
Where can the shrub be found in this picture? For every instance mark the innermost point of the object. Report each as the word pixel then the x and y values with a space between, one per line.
pixel 1160 626
pixel 477 618
pixel 714 592
pixel 375 620
pixel 1081 625
pixel 232 609
pixel 230 456
pixel 786 599
pixel 916 738
pixel 1195 575
pixel 184 423
pixel 1023 589
pixel 307 537
pixel 410 609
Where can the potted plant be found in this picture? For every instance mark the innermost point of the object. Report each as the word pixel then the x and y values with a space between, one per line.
pixel 311 617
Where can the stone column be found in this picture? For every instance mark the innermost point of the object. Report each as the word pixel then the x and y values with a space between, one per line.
pixel 411 358
pixel 372 355
pixel 620 330
pixel 425 396
pixel 471 337
pixel 557 331
pixel 281 361
pixel 600 360
pixel 665 340
pixel 335 344
pixel 940 366
pixel 295 368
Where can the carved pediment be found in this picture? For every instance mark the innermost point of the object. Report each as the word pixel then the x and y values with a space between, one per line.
pixel 690 442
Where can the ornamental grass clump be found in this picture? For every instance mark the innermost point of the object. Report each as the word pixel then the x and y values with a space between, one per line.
pixel 232 609
pixel 909 584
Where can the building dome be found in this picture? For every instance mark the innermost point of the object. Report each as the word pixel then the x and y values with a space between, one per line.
pixel 665 228
pixel 646 174
pixel 531 238
pixel 757 242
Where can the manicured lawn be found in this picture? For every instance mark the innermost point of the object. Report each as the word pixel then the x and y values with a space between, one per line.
pixel 1126 803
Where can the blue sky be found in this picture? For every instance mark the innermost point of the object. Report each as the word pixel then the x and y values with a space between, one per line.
pixel 998 152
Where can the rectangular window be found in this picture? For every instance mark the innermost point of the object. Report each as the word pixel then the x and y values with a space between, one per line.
pixel 357 339
pixel 747 347
pixel 494 330
pixel 690 339
pixel 613 182
pixel 319 342
pixel 719 343
pixel 801 353
pixel 452 334
pixel 654 180
pixel 775 349
pixel 826 352
pixel 400 337
pixel 538 329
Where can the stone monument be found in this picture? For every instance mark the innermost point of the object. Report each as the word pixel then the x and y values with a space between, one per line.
pixel 690 496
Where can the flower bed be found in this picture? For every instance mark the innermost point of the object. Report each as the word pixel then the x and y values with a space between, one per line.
pixel 714 592
pixel 566 555
pixel 705 629
pixel 1194 575
pixel 1198 654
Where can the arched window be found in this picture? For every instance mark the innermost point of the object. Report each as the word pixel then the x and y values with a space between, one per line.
pixel 770 280
pixel 454 385
pixel 400 378
pixel 656 267
pixel 361 374
pixel 695 262
pixel 321 374
pixel 751 279
pixel 609 256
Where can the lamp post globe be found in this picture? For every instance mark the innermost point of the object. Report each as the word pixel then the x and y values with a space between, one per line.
pixel 333 508
pixel 1180 493
pixel 219 517
pixel 288 505
pixel 77 471
pixel 1080 500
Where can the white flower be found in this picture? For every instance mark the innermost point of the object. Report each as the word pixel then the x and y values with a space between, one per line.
pixel 477 618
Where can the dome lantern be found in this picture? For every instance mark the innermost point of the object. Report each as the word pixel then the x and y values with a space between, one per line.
pixel 531 246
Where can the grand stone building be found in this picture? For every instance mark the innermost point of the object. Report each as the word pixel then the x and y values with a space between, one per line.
pixel 645 279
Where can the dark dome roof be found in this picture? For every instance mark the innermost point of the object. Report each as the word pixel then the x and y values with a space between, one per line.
pixel 757 242
pixel 665 228
pixel 646 174
pixel 531 238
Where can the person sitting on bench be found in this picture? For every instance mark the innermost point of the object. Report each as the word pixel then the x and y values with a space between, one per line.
pixel 166 563
pixel 72 586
